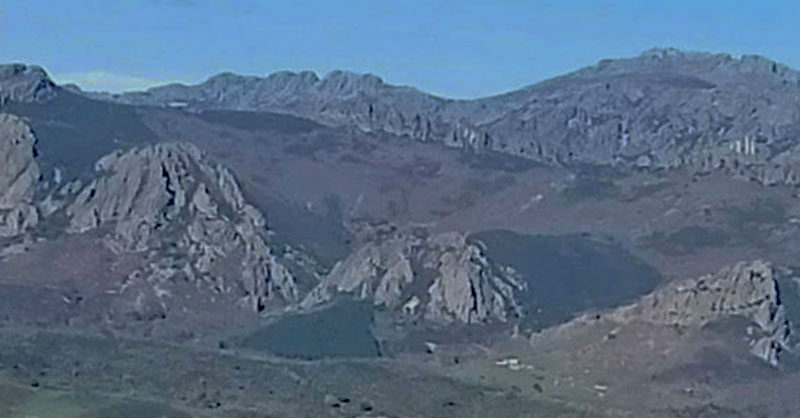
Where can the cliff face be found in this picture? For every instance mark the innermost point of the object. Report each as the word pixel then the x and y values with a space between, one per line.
pixel 748 290
pixel 18 176
pixel 439 277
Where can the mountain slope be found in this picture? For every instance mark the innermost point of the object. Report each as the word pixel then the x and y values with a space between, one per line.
pixel 748 290
pixel 167 204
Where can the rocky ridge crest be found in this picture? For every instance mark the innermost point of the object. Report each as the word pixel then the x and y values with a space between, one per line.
pixel 663 109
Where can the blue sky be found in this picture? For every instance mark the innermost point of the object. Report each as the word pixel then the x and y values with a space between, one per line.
pixel 452 48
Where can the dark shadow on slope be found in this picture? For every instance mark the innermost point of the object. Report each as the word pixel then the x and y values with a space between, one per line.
pixel 339 331
pixel 327 241
pixel 260 121
pixel 686 240
pixel 74 131
pixel 568 274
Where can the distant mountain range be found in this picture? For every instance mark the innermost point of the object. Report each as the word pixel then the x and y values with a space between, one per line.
pixel 664 108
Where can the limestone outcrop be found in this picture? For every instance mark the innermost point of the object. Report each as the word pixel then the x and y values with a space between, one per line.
pixel 168 200
pixel 19 175
pixel 748 290
pixel 440 277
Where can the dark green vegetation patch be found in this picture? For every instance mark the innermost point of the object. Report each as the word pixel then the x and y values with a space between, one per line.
pixel 568 274
pixel 342 330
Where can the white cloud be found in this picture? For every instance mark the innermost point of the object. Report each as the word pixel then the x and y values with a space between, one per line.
pixel 107 81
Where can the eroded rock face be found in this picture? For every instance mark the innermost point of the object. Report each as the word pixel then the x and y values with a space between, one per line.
pixel 23 83
pixel 748 290
pixel 19 174
pixel 441 277
pixel 169 201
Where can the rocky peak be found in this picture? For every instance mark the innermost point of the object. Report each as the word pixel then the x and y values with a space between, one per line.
pixel 663 109
pixel 439 277
pixel 24 83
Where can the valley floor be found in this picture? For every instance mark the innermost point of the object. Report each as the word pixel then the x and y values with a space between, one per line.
pixel 50 372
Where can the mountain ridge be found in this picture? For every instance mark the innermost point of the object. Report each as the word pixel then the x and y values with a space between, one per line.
pixel 752 63
pixel 662 109
pixel 662 56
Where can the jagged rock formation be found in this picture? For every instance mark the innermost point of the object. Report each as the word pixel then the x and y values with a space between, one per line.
pixel 441 277
pixel 748 290
pixel 340 98
pixel 23 83
pixel 663 109
pixel 19 175
pixel 170 201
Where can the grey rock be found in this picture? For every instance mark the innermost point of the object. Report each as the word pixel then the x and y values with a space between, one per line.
pixel 23 83
pixel 18 219
pixel 748 290
pixel 20 171
pixel 19 175
pixel 441 277
pixel 169 200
